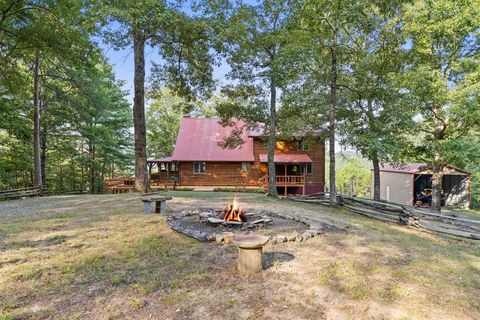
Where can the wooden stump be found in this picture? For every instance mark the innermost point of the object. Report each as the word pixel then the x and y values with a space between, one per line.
pixel 250 249
pixel 250 260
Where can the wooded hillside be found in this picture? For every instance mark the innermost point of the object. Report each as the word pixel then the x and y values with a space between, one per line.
pixel 396 81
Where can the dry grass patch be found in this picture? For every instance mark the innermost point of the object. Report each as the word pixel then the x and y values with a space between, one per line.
pixel 100 257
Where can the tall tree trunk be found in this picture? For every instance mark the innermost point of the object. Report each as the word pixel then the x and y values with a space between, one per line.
pixel 82 173
pixel 37 161
pixel 331 119
pixel 102 178
pixel 437 177
pixel 72 166
pixel 61 180
pixel 43 143
pixel 376 178
pixel 272 139
pixel 437 163
pixel 141 176
pixel 91 172
pixel 376 163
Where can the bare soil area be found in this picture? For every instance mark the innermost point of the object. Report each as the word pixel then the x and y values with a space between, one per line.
pixel 100 257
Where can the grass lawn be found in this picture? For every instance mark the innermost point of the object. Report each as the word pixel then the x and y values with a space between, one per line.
pixel 100 257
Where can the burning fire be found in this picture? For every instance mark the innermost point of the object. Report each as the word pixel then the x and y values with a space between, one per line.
pixel 233 212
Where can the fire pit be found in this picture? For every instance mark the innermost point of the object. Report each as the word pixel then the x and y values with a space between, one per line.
pixel 233 215
pixel 250 249
pixel 221 225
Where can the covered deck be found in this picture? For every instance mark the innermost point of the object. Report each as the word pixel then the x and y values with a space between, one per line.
pixel 290 172
pixel 163 172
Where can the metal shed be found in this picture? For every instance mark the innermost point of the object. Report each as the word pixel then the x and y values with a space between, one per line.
pixel 403 184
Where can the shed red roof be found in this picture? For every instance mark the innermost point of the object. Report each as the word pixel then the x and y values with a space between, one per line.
pixel 406 168
pixel 287 158
pixel 415 168
pixel 198 141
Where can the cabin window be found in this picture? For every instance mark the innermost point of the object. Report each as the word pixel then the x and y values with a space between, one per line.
pixel 198 167
pixel 307 168
pixel 302 145
pixel 173 166
pixel 246 166
pixel 163 166
pixel 265 144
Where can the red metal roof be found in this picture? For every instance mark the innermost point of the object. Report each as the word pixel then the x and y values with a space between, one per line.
pixel 198 141
pixel 413 168
pixel 287 158
pixel 406 168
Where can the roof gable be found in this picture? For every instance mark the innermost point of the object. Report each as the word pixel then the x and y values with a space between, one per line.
pixel 198 140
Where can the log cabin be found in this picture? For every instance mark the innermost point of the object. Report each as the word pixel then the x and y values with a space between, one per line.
pixel 199 160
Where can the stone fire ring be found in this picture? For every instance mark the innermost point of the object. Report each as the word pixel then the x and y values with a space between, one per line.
pixel 250 249
pixel 314 230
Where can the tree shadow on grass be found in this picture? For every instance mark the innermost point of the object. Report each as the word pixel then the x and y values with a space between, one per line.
pixel 273 259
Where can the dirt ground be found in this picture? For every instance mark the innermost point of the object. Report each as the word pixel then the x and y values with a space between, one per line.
pixel 100 257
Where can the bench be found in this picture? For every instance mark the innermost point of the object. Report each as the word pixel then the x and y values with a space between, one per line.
pixel 159 203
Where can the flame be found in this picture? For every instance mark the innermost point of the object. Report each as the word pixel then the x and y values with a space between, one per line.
pixel 235 205
pixel 233 212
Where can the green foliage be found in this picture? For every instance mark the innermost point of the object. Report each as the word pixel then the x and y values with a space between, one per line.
pixel 471 164
pixel 84 116
pixel 163 120
pixel 374 114
pixel 353 177
pixel 252 38
pixel 442 76
pixel 181 40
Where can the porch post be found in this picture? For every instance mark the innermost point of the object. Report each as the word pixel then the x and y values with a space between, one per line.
pixel 285 180
pixel 304 179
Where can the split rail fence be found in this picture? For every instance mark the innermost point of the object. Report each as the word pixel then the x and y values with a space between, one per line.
pixel 34 192
pixel 420 218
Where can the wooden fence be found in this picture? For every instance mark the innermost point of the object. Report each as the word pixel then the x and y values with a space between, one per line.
pixel 411 216
pixel 33 192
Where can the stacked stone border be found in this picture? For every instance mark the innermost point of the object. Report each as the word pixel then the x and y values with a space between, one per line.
pixel 314 229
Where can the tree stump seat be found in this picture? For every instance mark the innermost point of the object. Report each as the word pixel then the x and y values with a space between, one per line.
pixel 250 249
pixel 160 202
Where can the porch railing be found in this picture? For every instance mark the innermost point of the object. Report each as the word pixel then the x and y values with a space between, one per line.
pixel 290 180
pixel 282 181
pixel 121 184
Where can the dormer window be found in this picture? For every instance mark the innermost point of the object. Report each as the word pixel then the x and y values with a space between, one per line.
pixel 302 145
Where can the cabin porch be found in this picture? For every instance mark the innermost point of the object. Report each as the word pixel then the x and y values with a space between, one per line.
pixel 290 178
